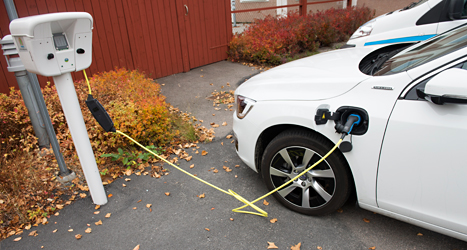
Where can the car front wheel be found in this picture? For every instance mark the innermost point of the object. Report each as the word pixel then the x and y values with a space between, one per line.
pixel 320 191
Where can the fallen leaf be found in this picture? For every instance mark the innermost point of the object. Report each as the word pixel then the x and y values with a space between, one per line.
pixel 123 185
pixel 419 234
pixel 273 220
pixel 231 219
pixel 17 239
pixel 136 247
pixel 237 166
pixel 272 245
pixel 212 208
pixel 366 220
pixel 203 153
pixel 224 124
pixel 33 233
pixel 167 193
pixel 319 248
pixel 235 176
pixel 108 215
pixel 97 212
pixel 229 136
pixel 110 195
pixel 372 248
pixel 82 195
pixel 98 223
pixel 192 165
pixel 27 227
pixel 139 201
pixel 127 179
pixel 340 210
pixel 189 158
pixel 215 171
pixel 78 236
pixel 148 205
pixel 128 172
pixel 265 203
pixel 135 208
pixel 222 143
pixel 54 231
pixel 44 221
pixel 201 196
pixel 56 214
pixel 70 230
pixel 207 229
pixel 213 114
pixel 88 230
pixel 97 207
pixel 296 247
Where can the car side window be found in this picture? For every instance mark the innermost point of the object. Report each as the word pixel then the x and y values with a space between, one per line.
pixel 412 94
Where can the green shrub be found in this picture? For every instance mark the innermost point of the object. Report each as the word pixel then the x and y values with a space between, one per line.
pixel 272 40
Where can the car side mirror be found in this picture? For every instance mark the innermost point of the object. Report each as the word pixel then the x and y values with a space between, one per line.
pixel 449 86
pixel 456 8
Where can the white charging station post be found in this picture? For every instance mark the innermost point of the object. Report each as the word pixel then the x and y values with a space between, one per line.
pixel 55 45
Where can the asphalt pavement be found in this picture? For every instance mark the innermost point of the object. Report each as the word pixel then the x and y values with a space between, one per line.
pixel 183 220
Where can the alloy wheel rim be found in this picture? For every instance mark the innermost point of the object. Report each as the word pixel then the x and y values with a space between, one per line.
pixel 313 189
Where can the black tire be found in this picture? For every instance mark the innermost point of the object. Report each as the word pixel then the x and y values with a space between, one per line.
pixel 323 190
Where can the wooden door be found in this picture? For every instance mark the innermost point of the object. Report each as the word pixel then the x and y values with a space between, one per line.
pixel 205 30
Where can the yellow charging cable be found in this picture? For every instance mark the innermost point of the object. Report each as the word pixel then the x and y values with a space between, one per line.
pixel 259 212
pixel 87 81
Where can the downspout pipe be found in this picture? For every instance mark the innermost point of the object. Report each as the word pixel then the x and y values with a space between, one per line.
pixel 65 174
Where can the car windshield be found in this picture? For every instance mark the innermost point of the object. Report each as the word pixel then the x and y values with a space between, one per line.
pixel 437 47
pixel 414 4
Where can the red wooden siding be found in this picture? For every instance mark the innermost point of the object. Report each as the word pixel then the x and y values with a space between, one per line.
pixel 155 37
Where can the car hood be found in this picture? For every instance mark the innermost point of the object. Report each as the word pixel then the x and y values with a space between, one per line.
pixel 316 77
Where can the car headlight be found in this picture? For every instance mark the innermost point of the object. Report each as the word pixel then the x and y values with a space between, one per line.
pixel 244 105
pixel 364 30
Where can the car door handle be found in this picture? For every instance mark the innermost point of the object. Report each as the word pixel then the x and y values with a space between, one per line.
pixel 186 7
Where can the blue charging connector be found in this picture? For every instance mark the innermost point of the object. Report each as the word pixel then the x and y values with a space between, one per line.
pixel 352 120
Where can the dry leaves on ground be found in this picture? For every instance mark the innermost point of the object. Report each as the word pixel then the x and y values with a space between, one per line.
pixel 273 220
pixel 271 245
pixel 296 247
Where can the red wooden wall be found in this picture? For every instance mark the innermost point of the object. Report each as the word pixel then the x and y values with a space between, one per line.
pixel 156 37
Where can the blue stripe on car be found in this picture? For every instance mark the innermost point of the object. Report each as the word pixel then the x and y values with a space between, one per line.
pixel 401 40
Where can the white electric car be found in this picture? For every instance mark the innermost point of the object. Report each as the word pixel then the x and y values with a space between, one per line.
pixel 405 159
pixel 417 22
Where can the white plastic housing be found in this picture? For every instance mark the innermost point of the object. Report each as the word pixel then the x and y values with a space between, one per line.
pixel 40 54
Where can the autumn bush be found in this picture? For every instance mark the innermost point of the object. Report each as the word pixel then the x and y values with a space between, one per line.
pixel 272 40
pixel 135 103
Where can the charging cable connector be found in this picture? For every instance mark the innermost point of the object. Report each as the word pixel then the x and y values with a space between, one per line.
pixel 352 120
